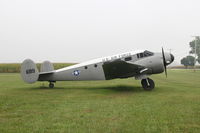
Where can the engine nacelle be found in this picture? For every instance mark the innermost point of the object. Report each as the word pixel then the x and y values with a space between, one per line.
pixel 153 63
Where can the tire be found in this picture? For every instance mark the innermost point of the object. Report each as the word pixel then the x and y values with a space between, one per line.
pixel 51 85
pixel 148 84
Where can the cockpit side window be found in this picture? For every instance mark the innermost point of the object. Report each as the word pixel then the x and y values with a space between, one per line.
pixel 141 55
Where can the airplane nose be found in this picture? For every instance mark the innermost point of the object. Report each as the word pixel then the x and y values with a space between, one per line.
pixel 172 57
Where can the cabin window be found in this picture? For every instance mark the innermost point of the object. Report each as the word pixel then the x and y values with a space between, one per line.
pixel 95 65
pixel 128 58
pixel 86 67
pixel 138 56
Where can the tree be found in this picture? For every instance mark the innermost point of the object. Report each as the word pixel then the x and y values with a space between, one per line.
pixel 184 62
pixel 192 46
pixel 188 61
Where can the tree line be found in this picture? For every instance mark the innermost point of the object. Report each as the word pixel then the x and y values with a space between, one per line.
pixel 190 60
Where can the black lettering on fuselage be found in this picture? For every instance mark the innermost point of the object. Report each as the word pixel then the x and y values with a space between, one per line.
pixel 116 57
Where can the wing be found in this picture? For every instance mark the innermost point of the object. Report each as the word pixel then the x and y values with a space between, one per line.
pixel 122 69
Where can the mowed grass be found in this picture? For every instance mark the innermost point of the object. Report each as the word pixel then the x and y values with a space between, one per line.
pixel 116 106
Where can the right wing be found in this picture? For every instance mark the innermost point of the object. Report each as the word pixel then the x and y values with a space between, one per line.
pixel 122 69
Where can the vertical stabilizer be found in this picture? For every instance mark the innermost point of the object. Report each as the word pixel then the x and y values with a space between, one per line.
pixel 46 66
pixel 29 71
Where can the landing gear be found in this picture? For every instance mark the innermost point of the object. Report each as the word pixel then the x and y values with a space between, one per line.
pixel 148 84
pixel 51 85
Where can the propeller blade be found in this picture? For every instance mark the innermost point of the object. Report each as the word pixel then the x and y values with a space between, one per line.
pixel 164 61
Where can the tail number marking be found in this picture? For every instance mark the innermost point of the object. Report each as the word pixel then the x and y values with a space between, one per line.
pixel 30 71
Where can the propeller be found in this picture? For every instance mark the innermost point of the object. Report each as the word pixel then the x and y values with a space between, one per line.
pixel 164 61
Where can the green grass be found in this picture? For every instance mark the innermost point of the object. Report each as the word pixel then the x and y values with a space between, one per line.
pixel 116 106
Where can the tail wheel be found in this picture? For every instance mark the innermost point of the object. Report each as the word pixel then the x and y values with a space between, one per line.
pixel 148 84
pixel 51 85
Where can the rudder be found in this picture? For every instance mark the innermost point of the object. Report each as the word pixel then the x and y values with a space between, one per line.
pixel 46 66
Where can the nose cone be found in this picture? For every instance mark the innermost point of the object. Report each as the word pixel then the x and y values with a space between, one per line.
pixel 169 58
pixel 172 57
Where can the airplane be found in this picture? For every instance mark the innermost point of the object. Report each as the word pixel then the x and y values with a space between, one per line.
pixel 139 64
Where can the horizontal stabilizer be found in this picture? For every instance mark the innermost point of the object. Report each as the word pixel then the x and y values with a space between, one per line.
pixel 43 73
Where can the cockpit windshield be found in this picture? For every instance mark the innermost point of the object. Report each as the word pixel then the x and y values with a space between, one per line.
pixel 144 54
pixel 147 53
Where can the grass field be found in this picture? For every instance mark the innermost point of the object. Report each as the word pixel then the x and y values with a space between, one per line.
pixel 116 106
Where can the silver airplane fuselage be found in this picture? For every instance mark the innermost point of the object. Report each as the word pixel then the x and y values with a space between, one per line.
pixel 100 69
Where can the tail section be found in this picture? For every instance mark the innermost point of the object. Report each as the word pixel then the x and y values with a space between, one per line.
pixel 29 71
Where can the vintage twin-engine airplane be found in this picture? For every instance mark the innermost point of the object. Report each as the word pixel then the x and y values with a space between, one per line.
pixel 139 64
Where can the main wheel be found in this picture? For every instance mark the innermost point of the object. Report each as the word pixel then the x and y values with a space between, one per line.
pixel 51 85
pixel 148 84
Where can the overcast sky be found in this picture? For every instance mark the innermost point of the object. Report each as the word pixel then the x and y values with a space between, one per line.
pixel 80 30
